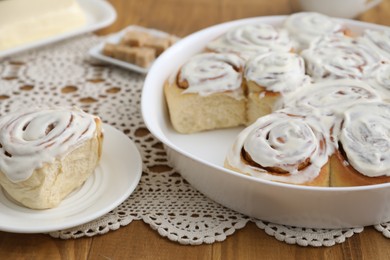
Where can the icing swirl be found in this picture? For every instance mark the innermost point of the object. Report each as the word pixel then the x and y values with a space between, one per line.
pixel 335 57
pixel 327 101
pixel 378 40
pixel 305 27
pixel 365 137
pixel 210 73
pixel 379 79
pixel 252 39
pixel 277 71
pixel 30 138
pixel 330 97
pixel 281 147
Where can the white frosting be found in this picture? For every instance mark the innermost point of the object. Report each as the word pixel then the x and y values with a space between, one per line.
pixel 210 73
pixel 252 39
pixel 335 57
pixel 277 71
pixel 282 141
pixel 305 27
pixel 378 40
pixel 331 97
pixel 379 79
pixel 365 137
pixel 30 138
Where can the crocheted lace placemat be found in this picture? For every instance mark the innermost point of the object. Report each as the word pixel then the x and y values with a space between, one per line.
pixel 64 74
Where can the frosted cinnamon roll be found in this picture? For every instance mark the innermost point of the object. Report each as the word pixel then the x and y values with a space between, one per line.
pixel 268 77
pixel 363 157
pixel 252 39
pixel 378 40
pixel 207 93
pixel 284 148
pixel 305 27
pixel 328 100
pixel 46 153
pixel 335 57
pixel 379 79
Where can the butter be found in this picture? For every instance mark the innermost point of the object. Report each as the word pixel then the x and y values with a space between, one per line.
pixel 26 21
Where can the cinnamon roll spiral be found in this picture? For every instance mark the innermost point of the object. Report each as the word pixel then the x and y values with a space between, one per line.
pixel 209 73
pixel 378 40
pixel 305 27
pixel 365 138
pixel 252 39
pixel 330 98
pixel 282 147
pixel 277 71
pixel 336 57
pixel 29 139
pixel 379 79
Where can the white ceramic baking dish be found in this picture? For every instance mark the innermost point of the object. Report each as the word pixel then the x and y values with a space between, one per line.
pixel 199 157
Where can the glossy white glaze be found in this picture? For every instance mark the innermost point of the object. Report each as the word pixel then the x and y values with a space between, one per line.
pixel 365 136
pixel 281 141
pixel 277 71
pixel 304 27
pixel 28 139
pixel 338 56
pixel 252 39
pixel 210 73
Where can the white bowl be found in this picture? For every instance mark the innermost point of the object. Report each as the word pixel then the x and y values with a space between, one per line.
pixel 199 157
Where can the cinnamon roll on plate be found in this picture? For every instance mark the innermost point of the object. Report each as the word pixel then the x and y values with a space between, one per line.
pixel 46 153
pixel 207 93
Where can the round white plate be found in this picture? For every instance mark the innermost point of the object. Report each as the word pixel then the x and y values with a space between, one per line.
pixel 115 178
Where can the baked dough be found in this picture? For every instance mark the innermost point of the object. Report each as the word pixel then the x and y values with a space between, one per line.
pixel 207 93
pixel 269 77
pixel 284 148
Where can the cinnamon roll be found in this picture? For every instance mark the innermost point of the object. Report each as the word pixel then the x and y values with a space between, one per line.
pixel 305 27
pixel 379 79
pixel 284 148
pixel 207 93
pixel 336 57
pixel 378 40
pixel 252 39
pixel 46 153
pixel 363 157
pixel 268 77
pixel 328 100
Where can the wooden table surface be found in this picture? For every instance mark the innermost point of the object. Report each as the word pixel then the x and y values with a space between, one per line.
pixel 138 240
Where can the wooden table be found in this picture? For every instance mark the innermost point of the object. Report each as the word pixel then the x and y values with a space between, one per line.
pixel 137 240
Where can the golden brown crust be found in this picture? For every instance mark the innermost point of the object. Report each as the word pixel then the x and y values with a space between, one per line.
pixel 322 180
pixel 343 175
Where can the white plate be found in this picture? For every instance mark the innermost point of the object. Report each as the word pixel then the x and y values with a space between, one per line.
pixel 99 14
pixel 199 157
pixel 114 180
pixel 97 50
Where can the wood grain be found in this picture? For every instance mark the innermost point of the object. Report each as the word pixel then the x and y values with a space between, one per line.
pixel 137 240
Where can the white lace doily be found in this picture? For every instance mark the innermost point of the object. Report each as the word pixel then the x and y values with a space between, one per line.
pixel 63 74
